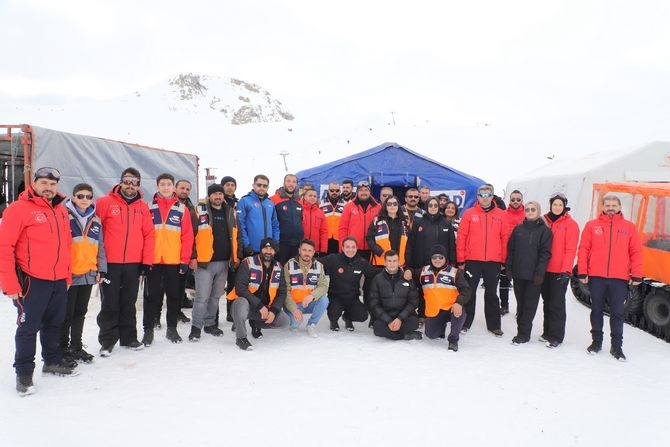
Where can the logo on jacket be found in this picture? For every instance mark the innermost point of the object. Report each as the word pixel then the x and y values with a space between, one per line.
pixel 257 205
pixel 114 210
pixel 203 219
pixel 40 218
pixel 95 229
pixel 284 207
pixel 175 219
pixel 340 270
pixel 313 278
pixel 598 231
pixel 475 218
pixel 277 276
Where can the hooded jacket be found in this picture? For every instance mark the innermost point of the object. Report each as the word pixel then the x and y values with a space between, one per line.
pixel 173 231
pixel 289 215
pixel 529 249
pixel 355 221
pixel 257 219
pixel 88 248
pixel 315 226
pixel 35 235
pixel 127 228
pixel 426 232
pixel 564 243
pixel 482 235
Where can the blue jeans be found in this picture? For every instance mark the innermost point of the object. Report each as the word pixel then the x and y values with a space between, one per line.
pixel 317 308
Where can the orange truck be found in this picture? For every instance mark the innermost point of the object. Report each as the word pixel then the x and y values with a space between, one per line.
pixel 648 206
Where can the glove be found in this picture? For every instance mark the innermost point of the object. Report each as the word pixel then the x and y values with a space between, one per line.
pixel 183 269
pixel 563 277
pixel 248 251
pixel 508 273
pixel 145 269
pixel 538 280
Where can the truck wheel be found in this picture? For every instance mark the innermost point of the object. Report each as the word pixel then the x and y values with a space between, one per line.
pixel 579 290
pixel 657 311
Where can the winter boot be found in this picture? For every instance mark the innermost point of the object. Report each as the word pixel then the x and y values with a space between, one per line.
pixel 183 318
pixel 595 347
pixel 349 325
pixel 59 369
pixel 24 385
pixel 334 326
pixel 82 355
pixel 213 330
pixel 172 335
pixel 617 353
pixel 243 344
pixel 453 346
pixel 148 338
pixel 195 334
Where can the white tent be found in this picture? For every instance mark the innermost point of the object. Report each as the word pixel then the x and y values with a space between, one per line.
pixel 575 177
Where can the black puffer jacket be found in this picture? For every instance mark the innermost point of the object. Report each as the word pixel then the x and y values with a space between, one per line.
pixel 392 297
pixel 430 230
pixel 345 275
pixel 529 249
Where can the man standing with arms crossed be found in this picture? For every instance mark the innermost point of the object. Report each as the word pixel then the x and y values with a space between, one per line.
pixel 35 242
pixel 610 258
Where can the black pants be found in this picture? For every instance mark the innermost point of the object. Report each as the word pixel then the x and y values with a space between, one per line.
pixel 333 246
pixel 504 289
pixel 410 324
pixel 75 313
pixel 436 326
pixel 163 279
pixel 553 303
pixel 350 308
pixel 117 319
pixel 286 252
pixel 42 309
pixel 614 292
pixel 490 271
pixel 527 297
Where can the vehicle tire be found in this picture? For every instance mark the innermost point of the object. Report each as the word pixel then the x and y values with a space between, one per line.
pixel 657 311
pixel 579 290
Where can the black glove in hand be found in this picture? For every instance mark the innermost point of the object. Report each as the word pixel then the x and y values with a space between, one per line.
pixel 183 269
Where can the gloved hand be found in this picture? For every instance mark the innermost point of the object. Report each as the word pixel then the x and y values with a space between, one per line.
pixel 248 251
pixel 145 269
pixel 563 277
pixel 508 273
pixel 183 269
pixel 538 280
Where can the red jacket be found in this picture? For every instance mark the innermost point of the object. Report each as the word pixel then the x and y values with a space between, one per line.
pixel 482 236
pixel 564 243
pixel 127 230
pixel 515 217
pixel 610 248
pixel 34 234
pixel 315 226
pixel 355 221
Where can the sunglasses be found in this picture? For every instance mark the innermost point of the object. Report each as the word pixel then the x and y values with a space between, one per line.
pixel 46 172
pixel 391 203
pixel 334 190
pixel 515 200
pixel 530 210
pixel 411 197
pixel 262 185
pixel 433 205
pixel 485 195
pixel 437 257
pixel 130 181
pixel 84 196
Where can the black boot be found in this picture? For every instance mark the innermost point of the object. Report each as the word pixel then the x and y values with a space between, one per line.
pixel 172 335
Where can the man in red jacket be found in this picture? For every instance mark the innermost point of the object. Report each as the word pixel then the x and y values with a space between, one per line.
pixel 481 248
pixel 128 233
pixel 357 217
pixel 35 244
pixel 515 215
pixel 314 223
pixel 609 259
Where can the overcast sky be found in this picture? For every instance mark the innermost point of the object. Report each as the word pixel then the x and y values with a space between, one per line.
pixel 534 63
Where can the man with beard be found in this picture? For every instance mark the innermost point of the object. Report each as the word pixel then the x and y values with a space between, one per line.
pixel 332 207
pixel 609 259
pixel 289 215
pixel 257 216
pixel 411 207
pixel 260 293
pixel 357 217
pixel 129 245
pixel 385 193
pixel 35 244
pixel 515 215
pixel 229 187
pixel 347 190
pixel 183 189
pixel 218 247
pixel 424 195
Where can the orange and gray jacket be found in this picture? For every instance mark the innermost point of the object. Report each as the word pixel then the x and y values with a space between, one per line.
pixel 204 238
pixel 333 215
pixel 304 279
pixel 442 288
pixel 379 239
pixel 173 232
pixel 258 286
pixel 88 248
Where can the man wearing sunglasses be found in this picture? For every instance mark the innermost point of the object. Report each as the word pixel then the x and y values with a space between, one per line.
pixel 288 209
pixel 332 207
pixel 481 248
pixel 129 244
pixel 257 216
pixel 515 215
pixel 34 271
pixel 411 207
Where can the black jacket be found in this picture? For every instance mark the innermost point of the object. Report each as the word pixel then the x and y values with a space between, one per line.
pixel 289 215
pixel 345 275
pixel 431 229
pixel 392 297
pixel 261 297
pixel 529 249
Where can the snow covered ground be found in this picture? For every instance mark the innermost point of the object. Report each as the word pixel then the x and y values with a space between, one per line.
pixel 350 389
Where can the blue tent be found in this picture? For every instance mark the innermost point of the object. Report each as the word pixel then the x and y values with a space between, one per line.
pixel 390 164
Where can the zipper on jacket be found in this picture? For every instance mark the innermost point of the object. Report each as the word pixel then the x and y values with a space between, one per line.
pixel 125 243
pixel 609 248
pixel 486 236
pixel 58 233
pixel 265 219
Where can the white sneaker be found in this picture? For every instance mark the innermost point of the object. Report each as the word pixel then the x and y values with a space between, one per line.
pixel 311 331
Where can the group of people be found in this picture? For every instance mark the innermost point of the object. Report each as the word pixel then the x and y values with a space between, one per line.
pixel 277 258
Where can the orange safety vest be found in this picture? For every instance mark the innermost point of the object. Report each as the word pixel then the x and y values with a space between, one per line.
pixel 333 216
pixel 167 233
pixel 301 284
pixel 204 238
pixel 382 239
pixel 85 243
pixel 256 273
pixel 439 289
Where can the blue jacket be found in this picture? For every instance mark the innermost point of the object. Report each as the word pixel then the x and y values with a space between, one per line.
pixel 258 220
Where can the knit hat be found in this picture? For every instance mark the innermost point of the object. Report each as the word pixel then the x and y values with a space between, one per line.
pixel 438 249
pixel 559 196
pixel 214 187
pixel 227 179
pixel 443 196
pixel 269 242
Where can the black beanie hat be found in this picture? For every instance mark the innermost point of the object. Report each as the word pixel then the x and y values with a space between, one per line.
pixel 269 242
pixel 438 249
pixel 227 179
pixel 214 187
